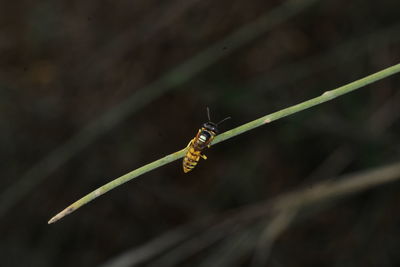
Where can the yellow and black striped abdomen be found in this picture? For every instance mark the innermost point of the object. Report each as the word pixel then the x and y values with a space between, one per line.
pixel 191 158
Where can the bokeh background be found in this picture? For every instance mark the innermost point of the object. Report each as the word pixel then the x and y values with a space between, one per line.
pixel 90 90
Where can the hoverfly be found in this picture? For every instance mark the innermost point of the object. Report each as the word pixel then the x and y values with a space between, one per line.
pixel 203 139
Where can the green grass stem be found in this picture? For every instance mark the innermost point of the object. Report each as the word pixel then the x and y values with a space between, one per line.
pixel 326 96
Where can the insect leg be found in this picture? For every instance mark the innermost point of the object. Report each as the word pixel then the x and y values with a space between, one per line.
pixel 190 142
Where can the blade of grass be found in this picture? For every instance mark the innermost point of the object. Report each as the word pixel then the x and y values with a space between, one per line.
pixel 326 96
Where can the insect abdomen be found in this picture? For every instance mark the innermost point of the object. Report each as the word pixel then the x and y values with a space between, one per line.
pixel 191 159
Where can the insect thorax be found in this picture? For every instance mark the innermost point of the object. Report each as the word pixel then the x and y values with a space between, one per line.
pixel 204 138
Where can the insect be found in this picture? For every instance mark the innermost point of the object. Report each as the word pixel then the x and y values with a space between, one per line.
pixel 203 139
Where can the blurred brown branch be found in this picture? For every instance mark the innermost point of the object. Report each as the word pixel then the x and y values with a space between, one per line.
pixel 279 213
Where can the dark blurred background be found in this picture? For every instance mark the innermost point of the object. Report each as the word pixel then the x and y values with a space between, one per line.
pixel 90 90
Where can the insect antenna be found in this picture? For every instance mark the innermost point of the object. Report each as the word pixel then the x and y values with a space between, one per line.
pixel 227 118
pixel 209 119
pixel 208 114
